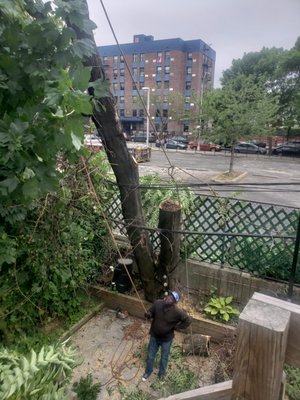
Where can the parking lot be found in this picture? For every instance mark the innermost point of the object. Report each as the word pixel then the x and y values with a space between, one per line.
pixel 200 167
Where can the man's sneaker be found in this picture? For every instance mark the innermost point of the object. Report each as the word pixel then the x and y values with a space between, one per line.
pixel 145 377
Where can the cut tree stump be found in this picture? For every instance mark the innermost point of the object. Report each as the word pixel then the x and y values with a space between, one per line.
pixel 169 221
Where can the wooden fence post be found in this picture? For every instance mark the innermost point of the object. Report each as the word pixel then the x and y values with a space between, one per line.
pixel 262 340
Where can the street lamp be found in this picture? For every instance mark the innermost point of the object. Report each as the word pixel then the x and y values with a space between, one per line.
pixel 148 110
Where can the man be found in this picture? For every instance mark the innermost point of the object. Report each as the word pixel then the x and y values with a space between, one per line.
pixel 166 317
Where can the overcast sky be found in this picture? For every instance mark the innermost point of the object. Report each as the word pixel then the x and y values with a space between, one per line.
pixel 230 27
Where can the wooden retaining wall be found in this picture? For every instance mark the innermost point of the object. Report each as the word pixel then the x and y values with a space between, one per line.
pixel 229 282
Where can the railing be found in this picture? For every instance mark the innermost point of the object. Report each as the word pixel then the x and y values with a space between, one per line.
pixel 268 337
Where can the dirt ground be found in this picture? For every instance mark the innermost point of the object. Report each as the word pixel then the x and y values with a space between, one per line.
pixel 113 351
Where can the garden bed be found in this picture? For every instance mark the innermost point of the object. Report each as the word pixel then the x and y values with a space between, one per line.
pixel 114 351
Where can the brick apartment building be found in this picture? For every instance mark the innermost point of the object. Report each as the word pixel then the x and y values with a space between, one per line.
pixel 162 68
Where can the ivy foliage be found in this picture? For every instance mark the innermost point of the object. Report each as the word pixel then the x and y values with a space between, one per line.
pixel 51 235
pixel 38 376
pixel 43 85
pixel 61 247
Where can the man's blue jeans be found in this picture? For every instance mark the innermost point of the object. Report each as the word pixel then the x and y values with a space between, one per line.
pixel 153 347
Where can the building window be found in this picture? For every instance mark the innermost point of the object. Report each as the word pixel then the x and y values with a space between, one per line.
pixel 116 59
pixel 186 127
pixel 159 57
pixel 167 55
pixel 134 71
pixel 141 85
pixel 142 57
pixel 166 84
pixel 158 84
pixel 157 114
pixel 134 86
pixel 122 86
pixel 105 60
pixel 134 57
pixel 121 58
pixel 189 70
pixel 115 86
pixel 121 99
pixel 165 113
pixel 142 72
pixel 134 113
pixel 158 69
pixel 115 73
pixel 141 112
pixel 134 99
pixel 189 56
pixel 167 70
pixel 187 99
pixel 188 85
pixel 121 71
pixel 165 99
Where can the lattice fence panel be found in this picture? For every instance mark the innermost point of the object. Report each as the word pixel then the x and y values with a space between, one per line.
pixel 262 256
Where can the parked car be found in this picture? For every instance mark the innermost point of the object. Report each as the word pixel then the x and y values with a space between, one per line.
pixel 93 142
pixel 287 149
pixel 180 139
pixel 249 148
pixel 172 144
pixel 259 144
pixel 205 146
pixel 141 137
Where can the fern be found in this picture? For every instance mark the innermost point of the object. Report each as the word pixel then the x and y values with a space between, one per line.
pixel 38 376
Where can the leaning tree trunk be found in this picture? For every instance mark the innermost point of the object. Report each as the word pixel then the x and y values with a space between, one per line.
pixel 125 170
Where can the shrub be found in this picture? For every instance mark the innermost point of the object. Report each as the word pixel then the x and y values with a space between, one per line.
pixel 293 382
pixel 85 389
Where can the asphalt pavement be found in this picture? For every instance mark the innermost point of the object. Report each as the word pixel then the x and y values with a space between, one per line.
pixel 267 173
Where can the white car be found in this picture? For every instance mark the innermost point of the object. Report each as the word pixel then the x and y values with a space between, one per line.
pixel 93 142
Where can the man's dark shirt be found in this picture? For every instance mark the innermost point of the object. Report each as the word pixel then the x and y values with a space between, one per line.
pixel 166 318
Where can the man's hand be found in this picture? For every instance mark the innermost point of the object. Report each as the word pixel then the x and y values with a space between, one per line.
pixel 148 315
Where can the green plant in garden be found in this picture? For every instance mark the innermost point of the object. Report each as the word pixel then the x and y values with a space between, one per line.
pixel 39 376
pixel 179 378
pixel 157 190
pixel 43 96
pixel 135 394
pixel 56 258
pixel 86 389
pixel 293 382
pixel 220 308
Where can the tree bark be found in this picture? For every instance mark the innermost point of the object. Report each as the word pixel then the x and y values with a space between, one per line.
pixel 125 170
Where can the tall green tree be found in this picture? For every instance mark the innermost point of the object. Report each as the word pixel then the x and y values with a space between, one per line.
pixel 241 109
pixel 279 70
